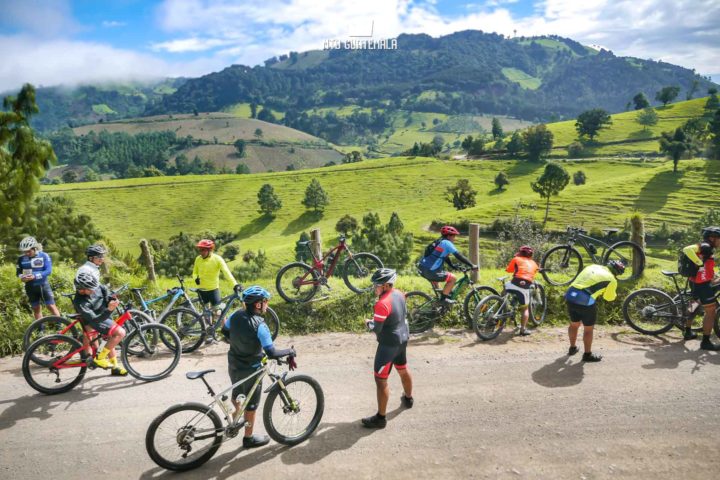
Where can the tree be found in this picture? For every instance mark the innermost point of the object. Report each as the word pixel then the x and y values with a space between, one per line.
pixel 266 115
pixel 268 201
pixel 538 141
pixel 693 88
pixel 462 195
pixel 576 150
pixel 315 196
pixel 352 157
pixel 674 145
pixel 474 146
pixel 667 95
pixel 712 103
pixel 714 129
pixel 395 244
pixel 24 158
pixel 302 254
pixel 240 147
pixel 346 225
pixel 230 253
pixel 242 169
pixel 553 181
pixel 592 121
pixel 640 101
pixel 437 142
pixel 579 178
pixel 91 175
pixel 501 179
pixel 515 145
pixel 258 133
pixel 69 176
pixel 253 109
pixel 647 118
pixel 497 130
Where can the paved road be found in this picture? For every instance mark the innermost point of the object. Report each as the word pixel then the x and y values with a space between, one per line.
pixel 513 408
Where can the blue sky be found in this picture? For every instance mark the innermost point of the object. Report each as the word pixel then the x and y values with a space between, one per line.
pixel 50 42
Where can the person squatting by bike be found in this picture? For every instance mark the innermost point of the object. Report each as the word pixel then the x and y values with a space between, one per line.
pixel 95 305
pixel 250 340
pixel 437 254
pixel 524 269
pixel 390 326
pixel 33 269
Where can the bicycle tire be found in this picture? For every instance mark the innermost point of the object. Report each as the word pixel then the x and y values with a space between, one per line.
pixel 156 338
pixel 188 325
pixel 43 327
pixel 293 282
pixel 160 458
pixel 473 298
pixel 650 311
pixel 284 404
pixel 538 304
pixel 273 322
pixel 698 312
pixel 420 310
pixel 32 372
pixel 141 318
pixel 358 270
pixel 561 270
pixel 485 322
pixel 631 254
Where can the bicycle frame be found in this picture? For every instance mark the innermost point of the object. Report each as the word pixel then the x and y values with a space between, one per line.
pixel 459 285
pixel 319 263
pixel 588 243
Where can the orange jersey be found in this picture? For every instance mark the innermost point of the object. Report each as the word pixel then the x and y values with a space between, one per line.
pixel 523 267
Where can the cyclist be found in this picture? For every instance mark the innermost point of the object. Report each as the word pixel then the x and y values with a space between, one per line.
pixel 581 298
pixel 95 305
pixel 436 254
pixel 33 269
pixel 250 341
pixel 390 326
pixel 524 269
pixel 701 284
pixel 206 272
pixel 95 257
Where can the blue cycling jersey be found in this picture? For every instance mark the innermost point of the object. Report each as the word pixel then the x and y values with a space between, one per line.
pixel 435 260
pixel 40 266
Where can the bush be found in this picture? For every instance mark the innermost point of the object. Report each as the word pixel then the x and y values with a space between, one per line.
pixel 516 232
pixel 579 178
pixel 230 252
pixel 390 243
pixel 576 150
pixel 252 267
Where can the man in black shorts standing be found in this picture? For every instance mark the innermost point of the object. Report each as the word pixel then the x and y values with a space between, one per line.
pixel 390 326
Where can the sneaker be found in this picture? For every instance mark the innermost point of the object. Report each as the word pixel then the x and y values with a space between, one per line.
pixel 591 357
pixel 118 372
pixel 689 335
pixel 102 363
pixel 524 332
pixel 374 422
pixel 572 351
pixel 706 344
pixel 210 341
pixel 255 441
pixel 406 402
pixel 447 301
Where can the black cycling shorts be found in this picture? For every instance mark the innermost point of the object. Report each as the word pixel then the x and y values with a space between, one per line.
pixel 436 276
pixel 703 292
pixel 388 355
pixel 210 296
pixel 38 294
pixel 237 373
pixel 103 327
pixel 587 314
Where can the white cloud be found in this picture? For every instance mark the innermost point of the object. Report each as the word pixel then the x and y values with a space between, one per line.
pixel 193 44
pixel 45 18
pixel 113 24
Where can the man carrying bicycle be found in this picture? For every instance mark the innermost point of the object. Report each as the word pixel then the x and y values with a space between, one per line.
pixel 33 269
pixel 95 305
pixel 250 341
pixel 701 255
pixel 95 257
pixel 581 298
pixel 437 254
pixel 524 269
pixel 390 326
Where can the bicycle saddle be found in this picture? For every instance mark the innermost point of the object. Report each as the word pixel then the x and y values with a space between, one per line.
pixel 669 273
pixel 200 374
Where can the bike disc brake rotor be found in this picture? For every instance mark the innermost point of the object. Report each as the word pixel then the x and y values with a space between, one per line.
pixel 648 312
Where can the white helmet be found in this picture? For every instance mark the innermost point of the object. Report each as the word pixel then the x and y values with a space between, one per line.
pixel 27 243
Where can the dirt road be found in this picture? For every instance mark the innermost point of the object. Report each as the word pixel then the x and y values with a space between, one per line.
pixel 513 408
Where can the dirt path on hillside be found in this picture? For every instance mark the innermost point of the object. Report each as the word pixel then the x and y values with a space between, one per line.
pixel 512 408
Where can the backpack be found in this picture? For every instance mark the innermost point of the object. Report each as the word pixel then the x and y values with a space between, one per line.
pixel 430 249
pixel 685 266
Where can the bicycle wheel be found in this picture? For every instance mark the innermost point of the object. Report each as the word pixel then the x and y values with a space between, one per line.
pixel 189 326
pixel 297 282
pixel 473 298
pixel 538 304
pixel 697 312
pixel 490 316
pixel 140 318
pixel 561 264
pixel 50 325
pixel 421 311
pixel 184 436
pixel 292 414
pixel 650 311
pixel 157 360
pixel 273 323
pixel 38 369
pixel 631 254
pixel 358 270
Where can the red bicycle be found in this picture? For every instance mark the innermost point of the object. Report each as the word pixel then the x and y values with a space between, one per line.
pixel 298 282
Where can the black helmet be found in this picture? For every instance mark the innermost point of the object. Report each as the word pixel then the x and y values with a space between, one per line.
pixel 710 232
pixel 383 276
pixel 616 267
pixel 85 280
pixel 95 251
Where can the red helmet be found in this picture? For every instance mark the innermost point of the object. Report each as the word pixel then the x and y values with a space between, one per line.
pixel 448 230
pixel 205 243
pixel 525 251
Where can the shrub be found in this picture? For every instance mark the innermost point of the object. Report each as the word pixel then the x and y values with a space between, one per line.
pixel 576 150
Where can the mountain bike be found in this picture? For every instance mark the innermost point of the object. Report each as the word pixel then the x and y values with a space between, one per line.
pixel 194 327
pixel 174 294
pixel 298 282
pixel 57 363
pixel 493 311
pixel 562 263
pixel 652 312
pixel 187 435
pixel 424 311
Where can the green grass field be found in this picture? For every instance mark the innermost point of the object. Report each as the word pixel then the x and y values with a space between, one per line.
pixel 526 81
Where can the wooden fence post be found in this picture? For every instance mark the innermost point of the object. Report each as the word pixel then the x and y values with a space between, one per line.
pixel 316 242
pixel 148 259
pixel 474 246
pixel 637 236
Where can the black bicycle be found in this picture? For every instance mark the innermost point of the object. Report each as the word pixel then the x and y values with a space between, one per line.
pixel 562 263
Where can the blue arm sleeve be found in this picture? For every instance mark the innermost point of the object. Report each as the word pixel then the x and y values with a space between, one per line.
pixel 263 334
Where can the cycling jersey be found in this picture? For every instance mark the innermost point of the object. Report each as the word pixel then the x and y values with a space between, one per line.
pixel 208 271
pixel 90 268
pixel 40 266
pixel 523 268
pixel 702 256
pixel 249 336
pixel 594 281
pixel 390 318
pixel 435 260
